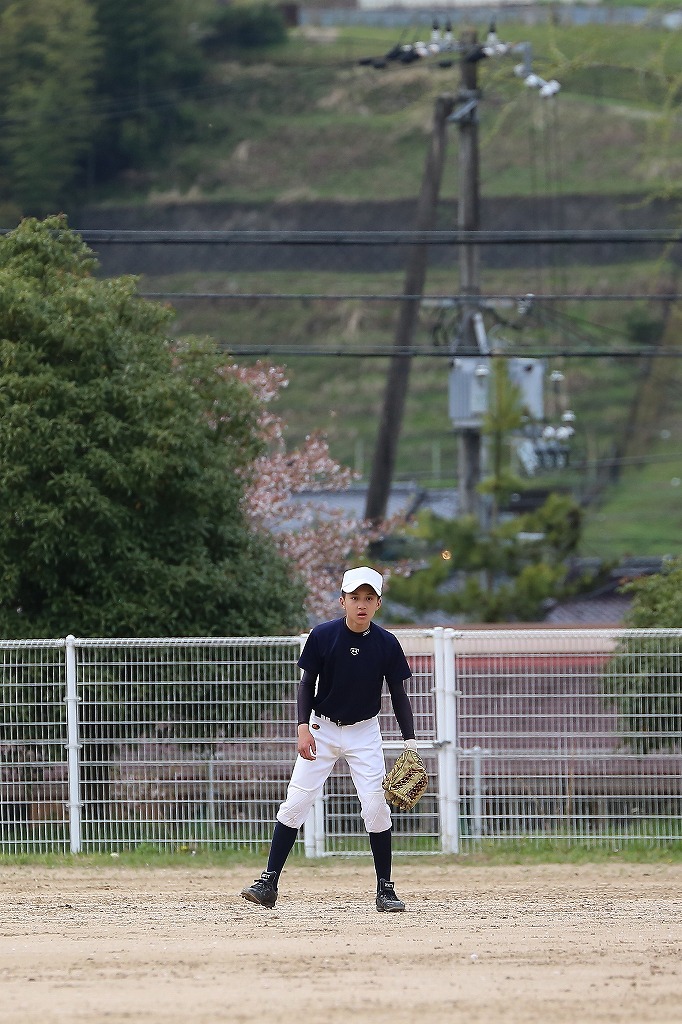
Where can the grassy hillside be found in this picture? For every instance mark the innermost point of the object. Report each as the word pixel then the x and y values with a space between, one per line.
pixel 642 512
pixel 306 121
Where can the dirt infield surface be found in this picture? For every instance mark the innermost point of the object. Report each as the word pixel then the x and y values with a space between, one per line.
pixel 557 944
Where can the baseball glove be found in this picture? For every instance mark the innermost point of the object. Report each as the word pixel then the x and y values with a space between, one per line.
pixel 406 782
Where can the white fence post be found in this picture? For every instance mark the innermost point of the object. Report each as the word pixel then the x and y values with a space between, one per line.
pixel 442 740
pixel 314 839
pixel 73 746
pixel 451 749
pixel 313 826
pixel 210 796
pixel 477 815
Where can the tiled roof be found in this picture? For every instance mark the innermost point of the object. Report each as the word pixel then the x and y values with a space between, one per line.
pixel 607 610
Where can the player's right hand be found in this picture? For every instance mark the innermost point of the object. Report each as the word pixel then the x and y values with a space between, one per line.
pixel 306 743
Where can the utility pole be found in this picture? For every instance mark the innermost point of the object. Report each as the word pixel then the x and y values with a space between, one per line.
pixel 397 380
pixel 468 219
pixel 469 348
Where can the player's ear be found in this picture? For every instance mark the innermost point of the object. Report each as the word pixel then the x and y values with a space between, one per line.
pixel 378 600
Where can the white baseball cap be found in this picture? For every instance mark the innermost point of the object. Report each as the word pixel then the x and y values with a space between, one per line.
pixel 354 578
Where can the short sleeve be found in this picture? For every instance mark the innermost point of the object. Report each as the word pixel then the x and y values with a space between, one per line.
pixel 310 655
pixel 399 668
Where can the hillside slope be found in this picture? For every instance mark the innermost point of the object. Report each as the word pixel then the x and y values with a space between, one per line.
pixel 307 133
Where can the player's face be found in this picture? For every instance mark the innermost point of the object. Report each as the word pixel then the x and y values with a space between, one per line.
pixel 361 606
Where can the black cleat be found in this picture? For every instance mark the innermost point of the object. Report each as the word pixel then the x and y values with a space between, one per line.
pixel 387 900
pixel 263 891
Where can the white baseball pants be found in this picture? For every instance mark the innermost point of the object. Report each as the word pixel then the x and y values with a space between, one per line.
pixel 360 744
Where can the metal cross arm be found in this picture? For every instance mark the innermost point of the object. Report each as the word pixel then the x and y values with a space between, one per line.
pixel 469 109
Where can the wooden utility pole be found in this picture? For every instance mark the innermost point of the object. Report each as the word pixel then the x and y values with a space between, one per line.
pixel 383 464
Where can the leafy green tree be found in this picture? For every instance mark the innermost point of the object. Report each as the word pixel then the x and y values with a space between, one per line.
pixel 559 519
pixel 500 575
pixel 150 58
pixel 49 56
pixel 503 417
pixel 646 674
pixel 657 601
pixel 122 462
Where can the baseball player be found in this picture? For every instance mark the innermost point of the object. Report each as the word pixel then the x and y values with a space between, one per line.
pixel 344 664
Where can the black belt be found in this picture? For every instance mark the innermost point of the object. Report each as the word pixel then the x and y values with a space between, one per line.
pixel 334 721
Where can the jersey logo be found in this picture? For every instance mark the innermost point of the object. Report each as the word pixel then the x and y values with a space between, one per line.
pixel 355 651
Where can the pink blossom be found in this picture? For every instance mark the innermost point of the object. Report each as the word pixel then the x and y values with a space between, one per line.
pixel 318 542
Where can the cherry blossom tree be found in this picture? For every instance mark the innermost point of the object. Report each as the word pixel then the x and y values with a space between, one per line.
pixel 318 540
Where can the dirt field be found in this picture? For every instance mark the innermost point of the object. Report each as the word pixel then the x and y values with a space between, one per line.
pixel 556 944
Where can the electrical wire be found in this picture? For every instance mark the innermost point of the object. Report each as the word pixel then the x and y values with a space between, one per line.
pixel 573 326
pixel 107 108
pixel 624 236
pixel 388 351
pixel 446 300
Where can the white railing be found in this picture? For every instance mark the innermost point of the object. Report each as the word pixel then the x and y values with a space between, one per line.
pixel 571 735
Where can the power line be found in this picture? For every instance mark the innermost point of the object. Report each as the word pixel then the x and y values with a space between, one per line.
pixel 401 297
pixel 386 351
pixel 126 104
pixel 626 236
pixel 631 460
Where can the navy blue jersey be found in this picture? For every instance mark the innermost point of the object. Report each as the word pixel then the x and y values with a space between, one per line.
pixel 350 669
